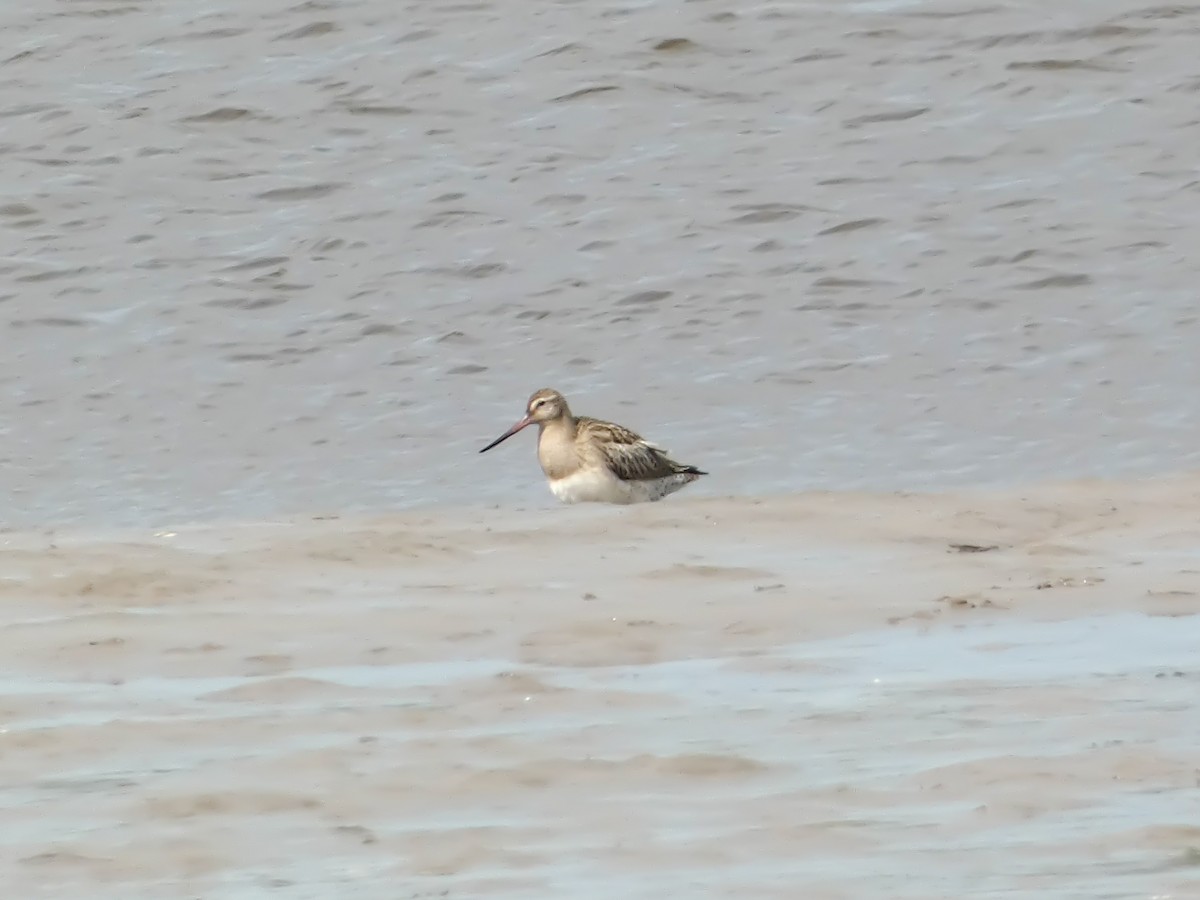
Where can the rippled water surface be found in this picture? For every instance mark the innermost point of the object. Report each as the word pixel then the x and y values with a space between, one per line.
pixel 264 256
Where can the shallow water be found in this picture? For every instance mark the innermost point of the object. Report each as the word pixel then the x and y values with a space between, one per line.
pixel 978 760
pixel 268 256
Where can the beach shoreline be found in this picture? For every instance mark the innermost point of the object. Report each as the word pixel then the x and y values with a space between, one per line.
pixel 473 699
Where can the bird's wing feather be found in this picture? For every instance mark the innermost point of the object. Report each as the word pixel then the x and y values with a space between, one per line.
pixel 630 456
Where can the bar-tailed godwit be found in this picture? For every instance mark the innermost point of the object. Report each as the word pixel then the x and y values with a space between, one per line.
pixel 587 460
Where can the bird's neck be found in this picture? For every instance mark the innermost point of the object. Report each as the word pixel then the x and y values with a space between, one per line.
pixel 564 427
pixel 557 449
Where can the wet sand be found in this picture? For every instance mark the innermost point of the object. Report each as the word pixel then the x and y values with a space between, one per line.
pixel 824 695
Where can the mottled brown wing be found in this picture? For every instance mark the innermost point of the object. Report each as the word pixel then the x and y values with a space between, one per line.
pixel 630 456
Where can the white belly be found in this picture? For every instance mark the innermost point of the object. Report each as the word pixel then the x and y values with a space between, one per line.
pixel 601 486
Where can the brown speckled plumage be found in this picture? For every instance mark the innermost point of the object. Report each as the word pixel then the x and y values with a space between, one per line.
pixel 588 459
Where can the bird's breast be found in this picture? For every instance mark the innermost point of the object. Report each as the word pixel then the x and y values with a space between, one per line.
pixel 557 454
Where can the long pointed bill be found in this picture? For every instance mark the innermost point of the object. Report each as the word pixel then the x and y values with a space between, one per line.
pixel 504 437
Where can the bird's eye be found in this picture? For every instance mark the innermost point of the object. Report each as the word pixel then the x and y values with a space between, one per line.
pixel 538 403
